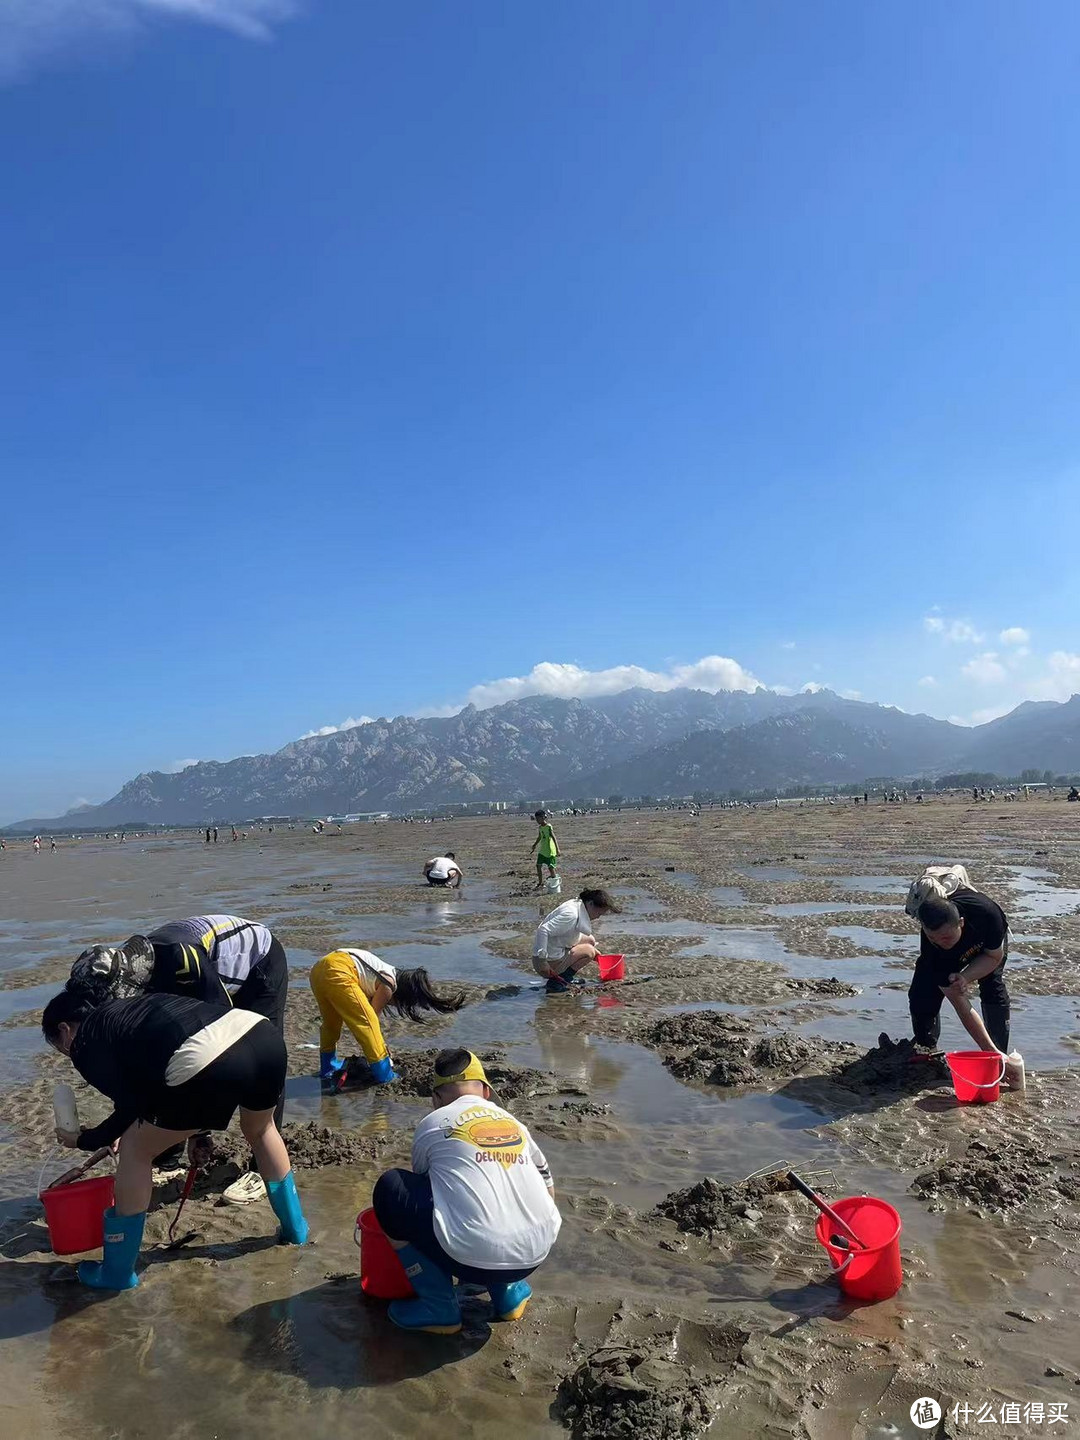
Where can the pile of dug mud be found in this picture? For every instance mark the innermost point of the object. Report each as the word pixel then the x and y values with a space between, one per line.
pixel 893 1065
pixel 510 1082
pixel 625 1392
pixel 708 1207
pixel 310 1147
pixel 727 1050
pixel 832 988
pixel 1004 1176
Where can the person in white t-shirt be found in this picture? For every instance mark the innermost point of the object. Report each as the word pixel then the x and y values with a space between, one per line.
pixel 478 1203
pixel 565 941
pixel 443 870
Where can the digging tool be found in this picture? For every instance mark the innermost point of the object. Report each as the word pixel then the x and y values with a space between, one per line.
pixel 78 1171
pixel 189 1183
pixel 825 1208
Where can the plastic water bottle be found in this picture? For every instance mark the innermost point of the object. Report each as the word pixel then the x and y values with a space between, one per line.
pixel 65 1110
pixel 1015 1078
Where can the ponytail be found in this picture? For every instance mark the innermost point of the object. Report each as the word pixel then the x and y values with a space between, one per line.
pixel 415 993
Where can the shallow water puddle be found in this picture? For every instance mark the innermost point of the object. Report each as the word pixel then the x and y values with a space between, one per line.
pixel 1038 897
pixel 884 884
pixel 773 874
pixel 827 907
pixel 1039 1023
pixel 883 942
pixel 722 895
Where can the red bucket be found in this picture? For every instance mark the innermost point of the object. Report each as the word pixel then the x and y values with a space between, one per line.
pixel 873 1272
pixel 611 967
pixel 976 1075
pixel 75 1214
pixel 382 1274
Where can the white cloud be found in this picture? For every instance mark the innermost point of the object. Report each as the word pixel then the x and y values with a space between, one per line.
pixel 711 673
pixel 348 724
pixel 810 688
pixel 957 632
pixel 33 30
pixel 1015 635
pixel 787 645
pixel 928 682
pixel 851 694
pixel 1061 679
pixel 178 765
pixel 985 669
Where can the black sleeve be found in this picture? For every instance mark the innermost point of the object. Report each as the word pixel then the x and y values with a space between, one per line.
pixel 986 920
pixel 994 933
pixel 103 1058
pixel 108 1131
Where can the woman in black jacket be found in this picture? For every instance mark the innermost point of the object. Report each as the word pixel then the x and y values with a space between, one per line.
pixel 173 1067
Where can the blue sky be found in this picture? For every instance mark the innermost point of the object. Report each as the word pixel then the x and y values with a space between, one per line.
pixel 360 355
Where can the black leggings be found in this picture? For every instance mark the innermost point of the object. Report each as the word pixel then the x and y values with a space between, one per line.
pixel 405 1209
pixel 925 997
pixel 265 990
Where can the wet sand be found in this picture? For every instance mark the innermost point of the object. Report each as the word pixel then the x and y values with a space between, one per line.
pixel 727 1052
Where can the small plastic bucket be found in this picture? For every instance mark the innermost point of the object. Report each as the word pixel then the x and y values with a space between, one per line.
pixel 611 967
pixel 873 1272
pixel 382 1274
pixel 976 1075
pixel 75 1214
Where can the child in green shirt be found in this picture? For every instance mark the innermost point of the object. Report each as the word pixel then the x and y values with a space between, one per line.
pixel 548 853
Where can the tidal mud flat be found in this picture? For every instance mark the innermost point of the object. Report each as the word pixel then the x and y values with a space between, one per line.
pixel 767 951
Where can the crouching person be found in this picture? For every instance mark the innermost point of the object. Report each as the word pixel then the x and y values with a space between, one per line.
pixel 477 1204
pixel 173 1068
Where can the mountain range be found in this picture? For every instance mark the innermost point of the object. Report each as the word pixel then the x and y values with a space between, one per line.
pixel 634 743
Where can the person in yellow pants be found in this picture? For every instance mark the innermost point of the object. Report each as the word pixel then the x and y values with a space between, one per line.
pixel 353 988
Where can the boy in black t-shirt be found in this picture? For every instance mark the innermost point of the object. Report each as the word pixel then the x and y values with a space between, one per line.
pixel 964 939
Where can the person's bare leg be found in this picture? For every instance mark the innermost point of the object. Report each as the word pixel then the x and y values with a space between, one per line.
pixel 134 1173
pixel 580 956
pixel 266 1143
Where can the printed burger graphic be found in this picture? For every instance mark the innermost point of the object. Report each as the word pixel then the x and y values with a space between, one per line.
pixel 493 1137
pixel 494 1134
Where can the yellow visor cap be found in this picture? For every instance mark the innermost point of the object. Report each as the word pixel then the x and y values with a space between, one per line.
pixel 472 1071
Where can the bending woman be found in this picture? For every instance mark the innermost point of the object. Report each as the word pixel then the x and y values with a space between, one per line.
pixel 565 943
pixel 222 959
pixel 353 988
pixel 173 1067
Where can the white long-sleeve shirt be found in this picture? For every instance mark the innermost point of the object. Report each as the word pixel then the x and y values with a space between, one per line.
pixel 560 931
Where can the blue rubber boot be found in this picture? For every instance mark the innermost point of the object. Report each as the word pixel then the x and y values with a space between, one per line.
pixel 382 1071
pixel 329 1065
pixel 509 1301
pixel 436 1309
pixel 116 1268
pixel 285 1203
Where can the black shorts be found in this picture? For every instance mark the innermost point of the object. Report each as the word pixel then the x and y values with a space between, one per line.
pixel 405 1209
pixel 249 1075
pixel 266 987
pixel 431 880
